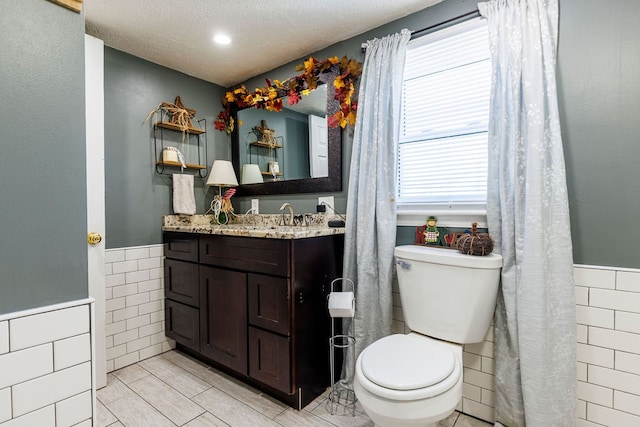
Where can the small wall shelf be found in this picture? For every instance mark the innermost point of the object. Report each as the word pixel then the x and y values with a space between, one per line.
pixel 178 164
pixel 172 126
pixel 193 135
pixel 265 144
pixel 255 148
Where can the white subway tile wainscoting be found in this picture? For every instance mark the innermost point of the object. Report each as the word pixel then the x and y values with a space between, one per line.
pixel 46 366
pixel 608 347
pixel 608 317
pixel 134 305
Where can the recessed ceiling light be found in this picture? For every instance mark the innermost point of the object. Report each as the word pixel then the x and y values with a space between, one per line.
pixel 222 39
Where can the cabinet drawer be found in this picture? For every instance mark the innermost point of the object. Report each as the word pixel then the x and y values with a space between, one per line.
pixel 182 323
pixel 183 246
pixel 269 359
pixel 270 256
pixel 269 302
pixel 181 282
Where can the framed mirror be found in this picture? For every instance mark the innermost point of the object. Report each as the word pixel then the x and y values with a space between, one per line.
pixel 288 158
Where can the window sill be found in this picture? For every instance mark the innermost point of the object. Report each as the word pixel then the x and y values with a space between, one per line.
pixel 446 217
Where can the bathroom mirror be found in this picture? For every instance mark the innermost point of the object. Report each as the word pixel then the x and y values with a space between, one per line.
pixel 300 167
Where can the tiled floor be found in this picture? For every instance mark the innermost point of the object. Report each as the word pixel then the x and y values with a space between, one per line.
pixel 175 390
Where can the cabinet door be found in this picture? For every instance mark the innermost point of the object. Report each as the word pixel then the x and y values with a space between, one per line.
pixel 182 323
pixel 269 359
pixel 269 302
pixel 181 282
pixel 223 317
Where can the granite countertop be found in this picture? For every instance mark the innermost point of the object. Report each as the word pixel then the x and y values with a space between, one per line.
pixel 261 226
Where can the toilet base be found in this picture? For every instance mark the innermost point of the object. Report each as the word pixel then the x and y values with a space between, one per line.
pixel 416 413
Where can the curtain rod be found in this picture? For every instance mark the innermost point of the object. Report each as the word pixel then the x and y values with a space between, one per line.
pixel 472 14
pixel 418 33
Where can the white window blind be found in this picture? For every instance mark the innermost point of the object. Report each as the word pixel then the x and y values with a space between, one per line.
pixel 442 158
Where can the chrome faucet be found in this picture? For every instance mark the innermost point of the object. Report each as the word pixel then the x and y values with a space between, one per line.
pixel 284 222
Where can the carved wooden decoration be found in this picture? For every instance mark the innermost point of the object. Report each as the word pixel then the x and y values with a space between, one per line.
pixel 75 5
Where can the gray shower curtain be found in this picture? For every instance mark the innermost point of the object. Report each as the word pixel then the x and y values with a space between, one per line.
pixel 528 215
pixel 370 234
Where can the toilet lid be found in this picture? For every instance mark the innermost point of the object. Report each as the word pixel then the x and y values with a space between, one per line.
pixel 407 362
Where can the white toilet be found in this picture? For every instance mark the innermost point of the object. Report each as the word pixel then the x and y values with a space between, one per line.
pixel 448 300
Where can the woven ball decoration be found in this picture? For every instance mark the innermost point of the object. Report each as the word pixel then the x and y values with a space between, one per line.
pixel 475 243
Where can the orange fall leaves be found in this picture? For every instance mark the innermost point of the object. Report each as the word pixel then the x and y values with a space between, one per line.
pixel 270 97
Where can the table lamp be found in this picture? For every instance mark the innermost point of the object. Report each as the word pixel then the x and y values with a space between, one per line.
pixel 222 175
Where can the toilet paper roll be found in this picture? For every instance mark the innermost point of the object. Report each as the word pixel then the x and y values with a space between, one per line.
pixel 342 304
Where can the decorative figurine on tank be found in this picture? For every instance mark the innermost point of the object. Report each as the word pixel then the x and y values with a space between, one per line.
pixel 431 233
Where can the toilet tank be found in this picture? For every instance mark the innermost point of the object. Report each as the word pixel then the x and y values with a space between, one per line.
pixel 446 294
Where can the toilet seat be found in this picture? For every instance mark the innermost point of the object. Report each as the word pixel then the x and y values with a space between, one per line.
pixel 407 362
pixel 408 367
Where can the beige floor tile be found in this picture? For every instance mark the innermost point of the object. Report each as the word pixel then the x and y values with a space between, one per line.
pixel 450 420
pixel 165 382
pixel 261 402
pixel 103 416
pixel 317 401
pixel 183 381
pixel 130 373
pixel 189 364
pixel 133 411
pixel 360 420
pixel 206 420
pixel 114 390
pixel 166 400
pixel 293 418
pixel 230 410
pixel 465 420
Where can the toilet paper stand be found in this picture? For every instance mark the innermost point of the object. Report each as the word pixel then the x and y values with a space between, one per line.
pixel 341 397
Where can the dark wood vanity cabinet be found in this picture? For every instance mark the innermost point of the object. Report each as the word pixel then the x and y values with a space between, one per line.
pixel 261 307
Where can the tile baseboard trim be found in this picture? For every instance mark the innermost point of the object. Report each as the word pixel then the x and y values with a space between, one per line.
pixel 45 309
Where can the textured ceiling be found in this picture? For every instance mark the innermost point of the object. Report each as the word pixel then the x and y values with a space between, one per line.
pixel 266 33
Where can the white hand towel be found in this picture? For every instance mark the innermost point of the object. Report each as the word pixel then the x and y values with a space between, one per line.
pixel 184 202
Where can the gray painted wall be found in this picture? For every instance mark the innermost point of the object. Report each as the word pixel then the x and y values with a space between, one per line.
pixel 136 196
pixel 43 249
pixel 42 186
pixel 598 82
pixel 599 93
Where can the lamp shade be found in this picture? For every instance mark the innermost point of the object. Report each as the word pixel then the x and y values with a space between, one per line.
pixel 251 174
pixel 222 174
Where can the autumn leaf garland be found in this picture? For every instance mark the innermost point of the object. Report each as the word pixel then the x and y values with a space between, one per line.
pixel 270 97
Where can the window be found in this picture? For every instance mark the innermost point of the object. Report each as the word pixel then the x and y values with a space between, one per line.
pixel 442 155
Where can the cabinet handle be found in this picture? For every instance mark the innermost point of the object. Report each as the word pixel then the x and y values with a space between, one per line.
pixel 300 297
